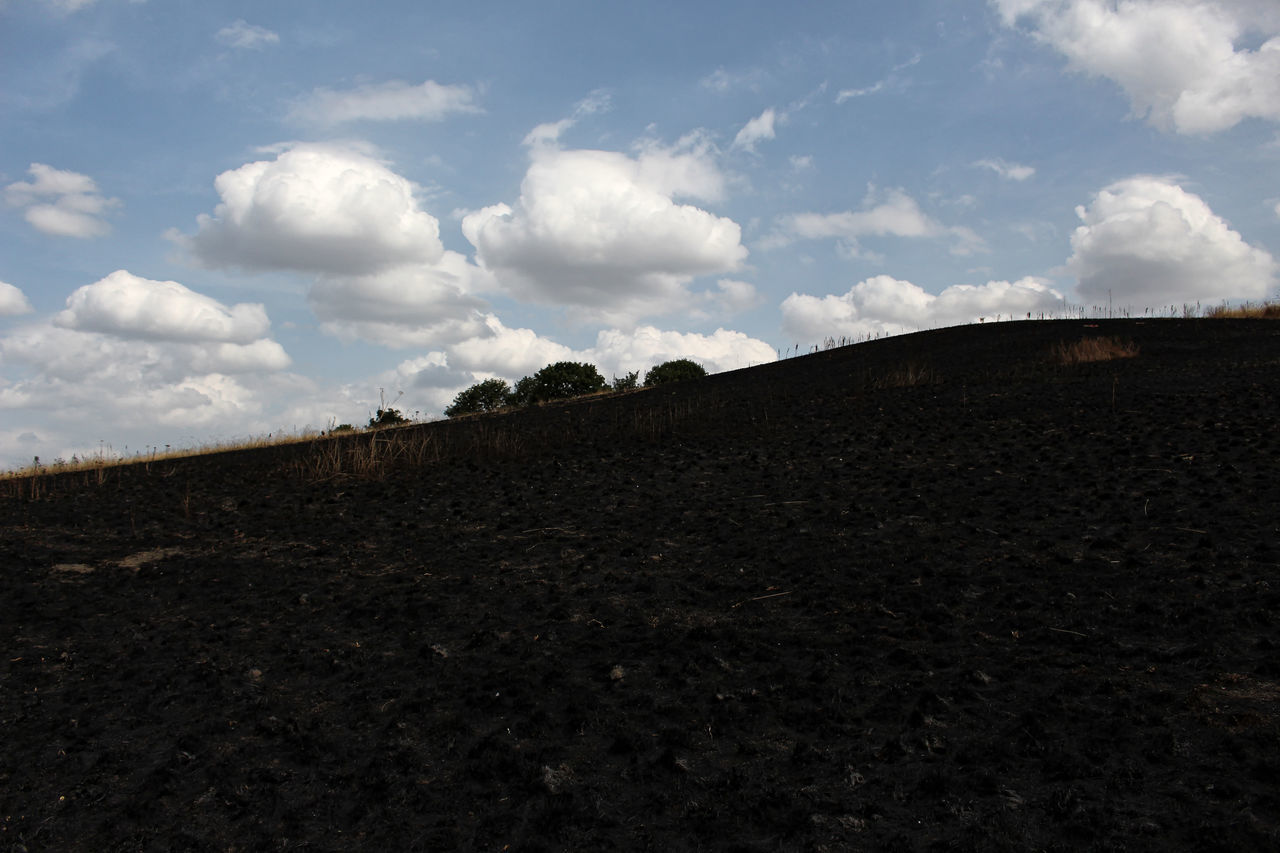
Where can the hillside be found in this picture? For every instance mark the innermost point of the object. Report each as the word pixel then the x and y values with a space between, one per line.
pixel 934 592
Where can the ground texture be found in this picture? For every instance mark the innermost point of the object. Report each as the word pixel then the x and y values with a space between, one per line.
pixel 935 592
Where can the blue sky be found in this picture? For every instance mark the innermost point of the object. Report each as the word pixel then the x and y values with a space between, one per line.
pixel 220 220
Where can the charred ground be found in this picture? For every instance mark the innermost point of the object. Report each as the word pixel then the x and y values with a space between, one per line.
pixel 936 592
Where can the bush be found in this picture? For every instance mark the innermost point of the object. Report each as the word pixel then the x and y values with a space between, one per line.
pixel 674 371
pixel 557 382
pixel 487 396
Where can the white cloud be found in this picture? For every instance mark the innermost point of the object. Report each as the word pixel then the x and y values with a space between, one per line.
pixel 892 80
pixel 548 133
pixel 1008 171
pixel 618 352
pixel 410 306
pixel 315 208
pixel 61 203
pixel 13 301
pixel 885 305
pixel 394 100
pixel 801 163
pixel 135 361
pixel 733 296
pixel 125 305
pixel 758 129
pixel 602 232
pixel 1181 62
pixel 242 34
pixel 895 214
pixel 505 352
pixel 1147 242
pixel 846 94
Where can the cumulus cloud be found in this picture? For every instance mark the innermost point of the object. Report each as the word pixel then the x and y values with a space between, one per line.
pixel 315 208
pixel 13 301
pixel 394 100
pixel 603 232
pixel 136 361
pixel 505 352
pixel 893 213
pixel 125 305
pixel 885 305
pixel 758 129
pixel 1006 170
pixel 619 352
pixel 241 34
pixel 1147 242
pixel 409 306
pixel 61 203
pixel 1182 63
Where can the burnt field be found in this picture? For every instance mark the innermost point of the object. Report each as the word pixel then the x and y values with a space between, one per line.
pixel 937 592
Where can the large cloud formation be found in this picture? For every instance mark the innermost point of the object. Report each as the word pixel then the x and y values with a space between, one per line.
pixel 1182 63
pixel 316 208
pixel 61 203
pixel 129 353
pixel 410 306
pixel 602 231
pixel 885 305
pixel 1147 242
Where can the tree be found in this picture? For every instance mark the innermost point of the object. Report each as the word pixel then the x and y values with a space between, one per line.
pixel 674 371
pixel 487 396
pixel 387 417
pixel 557 382
pixel 628 382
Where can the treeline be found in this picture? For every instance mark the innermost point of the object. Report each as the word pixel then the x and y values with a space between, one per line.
pixel 560 381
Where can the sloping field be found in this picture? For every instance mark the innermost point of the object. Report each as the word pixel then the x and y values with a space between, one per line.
pixel 957 590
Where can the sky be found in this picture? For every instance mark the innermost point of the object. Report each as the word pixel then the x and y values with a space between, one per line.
pixel 222 220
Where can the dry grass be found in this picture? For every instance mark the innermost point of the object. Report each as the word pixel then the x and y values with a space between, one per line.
pixel 368 455
pixel 1249 310
pixel 908 375
pixel 1093 349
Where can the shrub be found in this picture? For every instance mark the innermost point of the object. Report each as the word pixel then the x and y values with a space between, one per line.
pixel 487 396
pixel 674 371
pixel 558 381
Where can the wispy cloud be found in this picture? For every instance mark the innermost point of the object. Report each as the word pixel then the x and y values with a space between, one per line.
pixel 394 100
pixel 244 35
pixel 1008 171
pixel 892 80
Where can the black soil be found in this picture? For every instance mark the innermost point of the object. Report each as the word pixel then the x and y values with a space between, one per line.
pixel 935 592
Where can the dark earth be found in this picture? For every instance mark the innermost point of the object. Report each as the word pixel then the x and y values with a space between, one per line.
pixel 930 592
